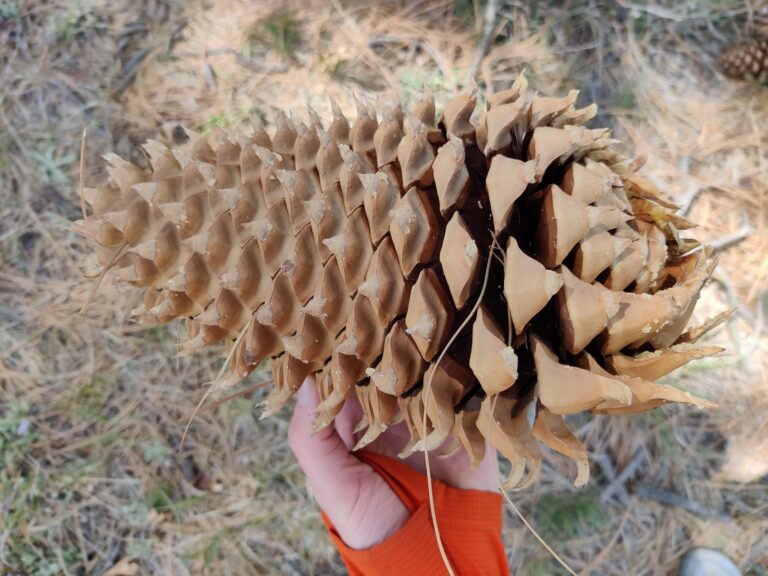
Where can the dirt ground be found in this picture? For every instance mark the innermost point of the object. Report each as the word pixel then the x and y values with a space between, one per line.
pixel 92 407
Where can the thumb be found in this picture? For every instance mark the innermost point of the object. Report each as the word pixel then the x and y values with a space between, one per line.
pixel 322 455
pixel 359 503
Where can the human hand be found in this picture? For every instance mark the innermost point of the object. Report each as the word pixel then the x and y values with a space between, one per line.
pixel 362 507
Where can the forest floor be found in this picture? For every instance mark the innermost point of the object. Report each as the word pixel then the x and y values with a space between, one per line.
pixel 92 407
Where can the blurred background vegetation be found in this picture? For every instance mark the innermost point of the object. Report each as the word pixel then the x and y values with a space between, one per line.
pixel 92 408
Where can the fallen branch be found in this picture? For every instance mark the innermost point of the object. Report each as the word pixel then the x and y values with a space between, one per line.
pixel 689 197
pixel 618 483
pixel 730 240
pixel 437 58
pixel 676 500
pixel 485 42
pixel 723 280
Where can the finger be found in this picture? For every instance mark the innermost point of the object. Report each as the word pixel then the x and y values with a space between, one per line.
pixel 346 421
pixel 486 476
pixel 457 471
pixel 392 441
pixel 461 474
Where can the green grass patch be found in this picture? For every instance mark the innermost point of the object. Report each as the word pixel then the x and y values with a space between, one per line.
pixel 332 65
pixel 563 517
pixel 76 19
pixel 9 10
pixel 160 499
pixel 414 82
pixel 279 33
pixel 465 12
pixel 542 567
pixel 160 333
pixel 154 451
pixel 17 433
pixel 627 97
pixel 42 561
pixel 54 165
pixel 226 120
pixel 211 550
pixel 756 570
pixel 139 548
pixel 86 402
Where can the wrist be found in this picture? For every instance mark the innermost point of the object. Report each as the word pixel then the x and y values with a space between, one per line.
pixel 368 535
pixel 372 514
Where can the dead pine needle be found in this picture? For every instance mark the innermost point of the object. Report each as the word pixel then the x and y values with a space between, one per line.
pixel 82 172
pixel 115 257
pixel 178 345
pixel 520 515
pixel 216 384
pixel 532 530
pixel 239 394
pixel 212 386
pixel 495 246
pixel 427 389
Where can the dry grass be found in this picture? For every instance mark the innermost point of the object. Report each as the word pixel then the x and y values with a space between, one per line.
pixel 93 407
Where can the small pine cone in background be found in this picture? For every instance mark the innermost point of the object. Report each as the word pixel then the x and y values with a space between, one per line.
pixel 748 61
pixel 491 269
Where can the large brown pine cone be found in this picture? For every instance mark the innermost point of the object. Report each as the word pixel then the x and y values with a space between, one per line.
pixel 359 253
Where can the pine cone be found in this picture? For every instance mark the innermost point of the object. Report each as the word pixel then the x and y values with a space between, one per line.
pixel 748 61
pixel 503 263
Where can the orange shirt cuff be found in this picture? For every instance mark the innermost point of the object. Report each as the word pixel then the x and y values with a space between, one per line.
pixel 470 523
pixel 411 550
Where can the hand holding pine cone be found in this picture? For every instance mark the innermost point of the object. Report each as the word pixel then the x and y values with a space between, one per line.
pixel 490 270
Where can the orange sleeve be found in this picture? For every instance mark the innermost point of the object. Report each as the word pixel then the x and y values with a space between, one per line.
pixel 470 523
